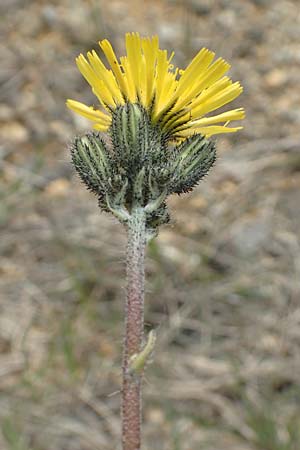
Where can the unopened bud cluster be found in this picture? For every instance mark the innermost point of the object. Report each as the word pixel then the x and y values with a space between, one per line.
pixel 136 165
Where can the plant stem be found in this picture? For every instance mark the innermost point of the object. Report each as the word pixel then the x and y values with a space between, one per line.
pixel 134 330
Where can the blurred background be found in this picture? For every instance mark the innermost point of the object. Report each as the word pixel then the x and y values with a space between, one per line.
pixel 223 279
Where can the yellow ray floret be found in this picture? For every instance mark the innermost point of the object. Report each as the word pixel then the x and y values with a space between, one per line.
pixel 177 100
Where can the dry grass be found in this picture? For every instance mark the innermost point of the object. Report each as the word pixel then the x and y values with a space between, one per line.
pixel 223 280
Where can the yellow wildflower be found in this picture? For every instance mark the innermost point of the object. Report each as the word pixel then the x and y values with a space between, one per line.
pixel 177 100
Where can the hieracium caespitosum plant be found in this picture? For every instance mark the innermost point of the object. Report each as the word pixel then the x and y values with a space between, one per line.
pixel 153 127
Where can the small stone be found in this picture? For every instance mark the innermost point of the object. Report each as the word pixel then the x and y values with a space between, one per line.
pixel 270 343
pixel 14 132
pixel 276 78
pixel 156 416
pixel 228 187
pixel 6 113
pixel 198 202
pixel 58 187
pixel 227 19
pixel 168 32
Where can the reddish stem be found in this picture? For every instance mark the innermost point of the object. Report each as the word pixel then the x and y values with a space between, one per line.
pixel 134 329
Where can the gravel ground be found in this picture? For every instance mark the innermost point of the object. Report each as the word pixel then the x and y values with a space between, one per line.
pixel 223 280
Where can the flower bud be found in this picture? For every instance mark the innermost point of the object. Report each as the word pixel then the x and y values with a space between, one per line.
pixel 192 161
pixel 135 166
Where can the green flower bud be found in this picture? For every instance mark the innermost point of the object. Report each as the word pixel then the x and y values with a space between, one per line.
pixel 91 160
pixel 192 161
pixel 136 166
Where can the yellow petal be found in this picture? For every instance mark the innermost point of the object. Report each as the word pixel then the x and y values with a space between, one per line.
pixel 112 59
pixel 105 75
pixel 133 49
pixel 209 131
pixel 197 66
pixel 131 90
pixel 150 49
pixel 210 92
pixel 100 127
pixel 222 98
pixel 88 112
pixel 234 114
pixel 213 73
pixel 98 87
pixel 177 100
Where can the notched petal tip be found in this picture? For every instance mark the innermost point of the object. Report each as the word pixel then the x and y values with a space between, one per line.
pixel 146 76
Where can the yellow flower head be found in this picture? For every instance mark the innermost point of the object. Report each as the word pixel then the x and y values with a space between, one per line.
pixel 177 100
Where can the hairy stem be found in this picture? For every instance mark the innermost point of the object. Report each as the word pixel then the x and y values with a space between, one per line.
pixel 134 329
